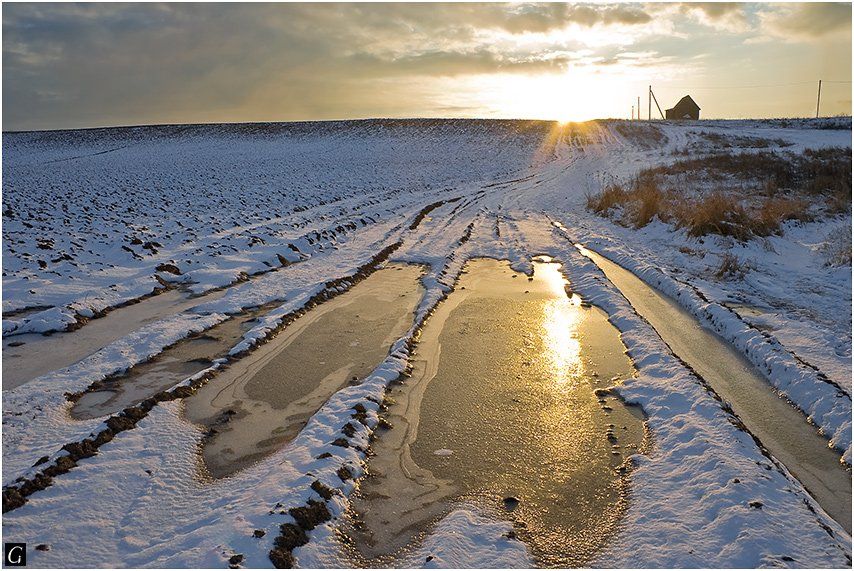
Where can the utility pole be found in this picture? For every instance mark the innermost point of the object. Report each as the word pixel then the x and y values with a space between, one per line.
pixel 633 112
pixel 638 107
pixel 818 101
pixel 649 109
pixel 653 98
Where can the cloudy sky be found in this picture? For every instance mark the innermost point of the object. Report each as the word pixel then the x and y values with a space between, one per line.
pixel 83 65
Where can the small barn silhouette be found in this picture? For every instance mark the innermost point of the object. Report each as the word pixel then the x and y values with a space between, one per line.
pixel 685 109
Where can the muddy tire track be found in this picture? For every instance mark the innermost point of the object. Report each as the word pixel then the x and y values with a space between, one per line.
pixel 245 312
pixel 316 510
pixel 337 229
pixel 731 416
pixel 773 341
pixel 15 495
pixel 762 359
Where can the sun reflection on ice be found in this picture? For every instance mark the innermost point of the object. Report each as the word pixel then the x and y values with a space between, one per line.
pixel 564 350
pixel 507 368
pixel 561 318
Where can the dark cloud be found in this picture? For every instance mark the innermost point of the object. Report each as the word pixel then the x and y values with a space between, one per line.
pixel 812 20
pixel 725 16
pixel 450 64
pixel 591 15
pixel 550 16
pixel 715 10
pixel 514 18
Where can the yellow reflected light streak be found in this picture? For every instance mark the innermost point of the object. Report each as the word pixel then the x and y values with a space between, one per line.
pixel 561 319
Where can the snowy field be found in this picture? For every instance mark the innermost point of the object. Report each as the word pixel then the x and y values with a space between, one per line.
pixel 247 215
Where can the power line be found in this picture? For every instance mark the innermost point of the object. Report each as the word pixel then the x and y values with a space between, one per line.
pixel 754 86
pixel 741 86
pixel 732 87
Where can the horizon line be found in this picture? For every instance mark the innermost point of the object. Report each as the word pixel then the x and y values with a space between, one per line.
pixel 366 119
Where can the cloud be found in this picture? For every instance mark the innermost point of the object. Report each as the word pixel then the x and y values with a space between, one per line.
pixel 799 22
pixel 591 14
pixel 724 16
pixel 449 64
pixel 72 63
pixel 717 10
pixel 90 64
pixel 635 59
pixel 517 18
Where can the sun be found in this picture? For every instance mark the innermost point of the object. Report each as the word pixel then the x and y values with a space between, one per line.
pixel 565 96
pixel 538 97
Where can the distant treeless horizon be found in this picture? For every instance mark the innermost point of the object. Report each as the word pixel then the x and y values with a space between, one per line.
pixel 97 65
pixel 358 119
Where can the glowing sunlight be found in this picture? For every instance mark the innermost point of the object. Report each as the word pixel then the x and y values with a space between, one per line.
pixel 560 326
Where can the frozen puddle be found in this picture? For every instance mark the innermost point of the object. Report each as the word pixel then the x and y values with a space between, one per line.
pixel 262 401
pixel 780 427
pixel 28 356
pixel 501 412
pixel 170 367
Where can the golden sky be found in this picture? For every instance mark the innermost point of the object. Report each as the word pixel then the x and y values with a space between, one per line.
pixel 83 65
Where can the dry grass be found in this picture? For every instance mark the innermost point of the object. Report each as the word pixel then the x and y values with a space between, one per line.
pixel 753 193
pixel 731 267
pixel 642 203
pixel 716 213
pixel 775 211
pixel 836 249
pixel 604 202
pixel 823 172
pixel 650 202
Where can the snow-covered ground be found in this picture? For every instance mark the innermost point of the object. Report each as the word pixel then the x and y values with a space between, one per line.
pixel 276 212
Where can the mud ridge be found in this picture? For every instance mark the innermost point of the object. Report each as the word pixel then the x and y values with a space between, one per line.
pixel 25 310
pixel 506 182
pixel 81 320
pixel 428 209
pixel 107 382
